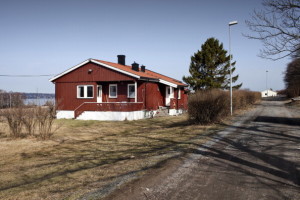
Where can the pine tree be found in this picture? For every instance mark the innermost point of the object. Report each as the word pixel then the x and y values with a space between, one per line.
pixel 210 68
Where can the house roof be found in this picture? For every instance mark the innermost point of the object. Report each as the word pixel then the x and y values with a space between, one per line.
pixel 125 69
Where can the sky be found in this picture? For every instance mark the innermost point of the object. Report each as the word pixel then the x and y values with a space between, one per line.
pixel 46 37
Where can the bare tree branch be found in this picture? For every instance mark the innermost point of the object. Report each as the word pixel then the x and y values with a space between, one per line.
pixel 278 27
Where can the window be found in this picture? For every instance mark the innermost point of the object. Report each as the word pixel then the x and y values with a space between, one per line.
pixel 179 93
pixel 90 91
pixel 131 91
pixel 80 92
pixel 85 91
pixel 113 91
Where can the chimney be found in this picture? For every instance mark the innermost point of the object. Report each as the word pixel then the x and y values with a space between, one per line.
pixel 135 66
pixel 121 59
pixel 143 68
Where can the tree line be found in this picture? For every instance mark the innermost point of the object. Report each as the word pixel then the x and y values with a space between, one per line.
pixel 11 99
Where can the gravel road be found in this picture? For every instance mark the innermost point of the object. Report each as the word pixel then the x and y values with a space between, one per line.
pixel 258 157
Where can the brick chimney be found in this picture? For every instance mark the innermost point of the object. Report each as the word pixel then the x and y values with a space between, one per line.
pixel 121 59
pixel 143 68
pixel 135 66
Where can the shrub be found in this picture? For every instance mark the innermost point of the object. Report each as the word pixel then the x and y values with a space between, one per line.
pixel 30 120
pixel 45 118
pixel 210 106
pixel 13 117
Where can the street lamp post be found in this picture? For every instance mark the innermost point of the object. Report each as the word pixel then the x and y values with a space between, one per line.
pixel 230 24
pixel 267 79
pixel 267 82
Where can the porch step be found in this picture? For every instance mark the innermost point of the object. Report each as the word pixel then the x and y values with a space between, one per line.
pixel 162 111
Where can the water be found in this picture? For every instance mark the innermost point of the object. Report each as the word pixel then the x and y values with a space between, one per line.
pixel 39 102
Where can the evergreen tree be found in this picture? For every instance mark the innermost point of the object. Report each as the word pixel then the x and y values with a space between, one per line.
pixel 210 68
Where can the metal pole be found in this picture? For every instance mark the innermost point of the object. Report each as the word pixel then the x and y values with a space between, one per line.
pixel 230 72
pixel 230 24
pixel 267 79
pixel 267 83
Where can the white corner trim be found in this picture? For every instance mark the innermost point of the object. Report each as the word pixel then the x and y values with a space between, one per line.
pixel 115 69
pixel 69 70
pixel 168 83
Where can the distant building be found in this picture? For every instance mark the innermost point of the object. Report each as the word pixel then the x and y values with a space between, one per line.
pixel 268 93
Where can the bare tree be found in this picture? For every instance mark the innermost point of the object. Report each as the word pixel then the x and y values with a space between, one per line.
pixel 11 99
pixel 278 27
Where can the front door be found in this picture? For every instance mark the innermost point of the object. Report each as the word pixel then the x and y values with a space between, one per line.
pixel 169 95
pixel 99 94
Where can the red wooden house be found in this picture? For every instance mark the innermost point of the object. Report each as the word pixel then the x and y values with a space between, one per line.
pixel 101 90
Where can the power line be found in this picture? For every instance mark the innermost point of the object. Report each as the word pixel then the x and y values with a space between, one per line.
pixel 10 75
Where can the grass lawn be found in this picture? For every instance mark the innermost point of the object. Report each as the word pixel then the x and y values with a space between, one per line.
pixel 84 156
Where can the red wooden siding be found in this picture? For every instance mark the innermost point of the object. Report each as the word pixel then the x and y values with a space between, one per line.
pixel 66 95
pixel 66 86
pixel 179 103
pixel 154 95
pixel 99 73
pixel 122 92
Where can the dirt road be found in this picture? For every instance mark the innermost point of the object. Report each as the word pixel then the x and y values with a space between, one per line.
pixel 258 157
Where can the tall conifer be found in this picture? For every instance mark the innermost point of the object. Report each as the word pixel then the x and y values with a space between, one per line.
pixel 210 68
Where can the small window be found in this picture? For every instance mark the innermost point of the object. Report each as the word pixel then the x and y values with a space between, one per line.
pixel 131 91
pixel 113 91
pixel 81 91
pixel 179 93
pixel 85 91
pixel 90 91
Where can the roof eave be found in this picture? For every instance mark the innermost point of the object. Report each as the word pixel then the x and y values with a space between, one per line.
pixel 96 62
pixel 69 70
pixel 168 83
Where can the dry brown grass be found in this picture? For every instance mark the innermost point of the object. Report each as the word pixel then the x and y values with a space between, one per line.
pixel 86 155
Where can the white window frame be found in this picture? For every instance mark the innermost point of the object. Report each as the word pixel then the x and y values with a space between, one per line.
pixel 116 91
pixel 179 94
pixel 85 91
pixel 131 85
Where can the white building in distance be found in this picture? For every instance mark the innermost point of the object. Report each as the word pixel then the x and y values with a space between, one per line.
pixel 268 93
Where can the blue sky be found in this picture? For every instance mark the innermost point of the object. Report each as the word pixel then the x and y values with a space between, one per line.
pixel 48 37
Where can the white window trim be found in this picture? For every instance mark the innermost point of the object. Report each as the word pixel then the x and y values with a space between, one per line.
pixel 133 85
pixel 179 94
pixel 113 97
pixel 84 92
